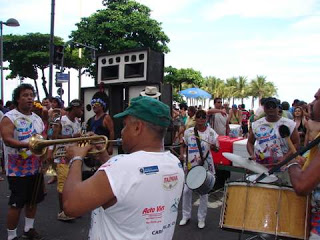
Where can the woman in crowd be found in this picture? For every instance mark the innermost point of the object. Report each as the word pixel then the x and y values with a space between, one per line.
pixel 301 123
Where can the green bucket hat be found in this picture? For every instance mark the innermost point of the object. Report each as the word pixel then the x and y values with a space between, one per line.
pixel 149 110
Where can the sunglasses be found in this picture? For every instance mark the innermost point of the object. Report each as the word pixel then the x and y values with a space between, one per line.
pixel 271 105
pixel 202 116
pixel 219 102
pixel 96 104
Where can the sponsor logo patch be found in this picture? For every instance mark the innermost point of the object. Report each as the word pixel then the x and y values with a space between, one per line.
pixel 170 181
pixel 153 214
pixel 149 170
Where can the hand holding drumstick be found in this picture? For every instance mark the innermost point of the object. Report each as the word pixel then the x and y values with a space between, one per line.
pixel 212 146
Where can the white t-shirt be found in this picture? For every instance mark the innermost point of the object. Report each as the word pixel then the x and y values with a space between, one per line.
pixel 269 145
pixel 148 187
pixel 21 162
pixel 209 136
pixel 220 124
pixel 68 128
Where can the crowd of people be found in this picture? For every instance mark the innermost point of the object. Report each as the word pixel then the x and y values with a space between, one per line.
pixel 135 195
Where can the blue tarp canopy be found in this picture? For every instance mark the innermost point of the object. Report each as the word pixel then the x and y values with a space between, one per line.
pixel 195 93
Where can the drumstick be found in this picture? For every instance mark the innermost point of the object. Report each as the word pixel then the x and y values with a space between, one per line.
pixel 203 140
pixel 216 148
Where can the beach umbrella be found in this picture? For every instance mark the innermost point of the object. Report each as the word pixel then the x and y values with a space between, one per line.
pixel 195 93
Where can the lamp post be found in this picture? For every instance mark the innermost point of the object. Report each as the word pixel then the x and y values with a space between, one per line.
pixel 11 22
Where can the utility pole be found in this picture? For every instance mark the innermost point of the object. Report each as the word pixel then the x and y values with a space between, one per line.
pixel 51 48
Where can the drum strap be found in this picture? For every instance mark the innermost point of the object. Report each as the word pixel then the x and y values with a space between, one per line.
pixel 199 146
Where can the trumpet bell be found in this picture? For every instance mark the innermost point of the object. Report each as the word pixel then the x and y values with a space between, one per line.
pixel 35 144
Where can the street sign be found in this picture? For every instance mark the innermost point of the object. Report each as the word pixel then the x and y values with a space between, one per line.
pixel 60 91
pixel 62 77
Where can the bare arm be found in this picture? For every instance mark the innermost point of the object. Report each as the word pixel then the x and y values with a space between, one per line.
pixel 108 123
pixel 227 129
pixel 305 181
pixel 81 197
pixel 229 116
pixel 215 110
pixel 250 144
pixel 306 139
pixel 7 130
pixel 295 138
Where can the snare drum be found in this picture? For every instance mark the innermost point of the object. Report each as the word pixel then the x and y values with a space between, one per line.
pixel 265 208
pixel 200 180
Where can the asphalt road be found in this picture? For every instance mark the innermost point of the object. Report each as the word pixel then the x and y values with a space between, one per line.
pixel 47 224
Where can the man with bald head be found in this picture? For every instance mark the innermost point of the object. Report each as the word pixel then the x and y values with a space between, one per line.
pixel 135 195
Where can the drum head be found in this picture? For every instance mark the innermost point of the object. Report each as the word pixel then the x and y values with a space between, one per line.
pixel 196 177
pixel 268 179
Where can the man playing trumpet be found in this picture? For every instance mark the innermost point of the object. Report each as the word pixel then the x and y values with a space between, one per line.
pixel 136 195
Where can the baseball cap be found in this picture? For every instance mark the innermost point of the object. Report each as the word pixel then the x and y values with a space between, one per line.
pixel 149 110
pixel 74 103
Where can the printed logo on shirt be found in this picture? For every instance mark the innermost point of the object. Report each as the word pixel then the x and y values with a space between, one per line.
pixel 24 127
pixel 175 205
pixel 160 231
pixel 149 170
pixel 67 130
pixel 180 165
pixel 153 214
pixel 170 181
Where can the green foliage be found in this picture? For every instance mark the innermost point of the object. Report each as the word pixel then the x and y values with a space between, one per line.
pixel 182 78
pixel 27 53
pixel 122 25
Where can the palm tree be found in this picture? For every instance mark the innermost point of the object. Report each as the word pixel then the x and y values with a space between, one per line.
pixel 231 88
pixel 260 87
pixel 215 86
pixel 242 88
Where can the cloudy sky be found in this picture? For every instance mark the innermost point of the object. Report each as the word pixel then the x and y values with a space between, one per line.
pixel 224 38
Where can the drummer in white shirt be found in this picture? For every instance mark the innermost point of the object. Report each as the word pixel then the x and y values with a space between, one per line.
pixel 208 139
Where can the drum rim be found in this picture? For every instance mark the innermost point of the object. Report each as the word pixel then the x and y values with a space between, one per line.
pixel 192 169
pixel 260 184
pixel 205 180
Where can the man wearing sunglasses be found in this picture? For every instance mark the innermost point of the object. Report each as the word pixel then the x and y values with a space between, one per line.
pixel 208 138
pixel 101 123
pixel 265 144
pixel 218 118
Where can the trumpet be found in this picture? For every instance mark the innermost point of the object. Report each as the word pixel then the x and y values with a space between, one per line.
pixel 38 146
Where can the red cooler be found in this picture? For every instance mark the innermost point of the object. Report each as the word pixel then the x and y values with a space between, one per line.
pixel 226 145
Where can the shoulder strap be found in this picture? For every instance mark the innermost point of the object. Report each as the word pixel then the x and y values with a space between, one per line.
pixel 199 147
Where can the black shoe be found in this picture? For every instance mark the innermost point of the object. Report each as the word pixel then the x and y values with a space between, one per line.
pixel 31 235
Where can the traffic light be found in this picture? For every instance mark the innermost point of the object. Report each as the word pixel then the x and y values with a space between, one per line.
pixel 58 54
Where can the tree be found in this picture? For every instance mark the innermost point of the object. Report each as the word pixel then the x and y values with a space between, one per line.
pixel 182 78
pixel 28 53
pixel 123 25
pixel 260 87
pixel 215 86
pixel 231 87
pixel 242 88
